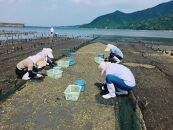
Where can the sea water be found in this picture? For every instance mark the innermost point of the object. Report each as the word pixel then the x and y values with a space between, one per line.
pixel 86 33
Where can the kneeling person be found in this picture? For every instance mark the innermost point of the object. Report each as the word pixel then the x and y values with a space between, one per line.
pixel 26 70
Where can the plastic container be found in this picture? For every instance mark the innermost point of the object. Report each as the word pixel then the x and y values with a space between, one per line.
pixel 57 68
pixel 98 60
pixel 81 83
pixel 55 74
pixel 50 72
pixel 63 63
pixel 70 54
pixel 101 55
pixel 71 61
pixel 72 92
pixel 58 74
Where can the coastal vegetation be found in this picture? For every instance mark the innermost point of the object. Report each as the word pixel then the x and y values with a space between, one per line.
pixel 159 17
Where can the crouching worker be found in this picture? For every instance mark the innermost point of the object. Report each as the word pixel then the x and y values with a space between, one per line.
pixel 27 69
pixel 47 54
pixel 119 79
pixel 115 55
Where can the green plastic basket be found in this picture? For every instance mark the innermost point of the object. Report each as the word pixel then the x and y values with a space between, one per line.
pixel 55 74
pixel 50 72
pixel 72 92
pixel 57 68
pixel 63 63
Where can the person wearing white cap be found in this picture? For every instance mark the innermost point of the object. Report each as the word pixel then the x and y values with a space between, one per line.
pixel 26 70
pixel 47 52
pixel 116 54
pixel 119 79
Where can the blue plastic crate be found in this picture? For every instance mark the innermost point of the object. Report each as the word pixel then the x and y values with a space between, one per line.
pixel 101 55
pixel 70 54
pixel 71 61
pixel 81 83
pixel 98 60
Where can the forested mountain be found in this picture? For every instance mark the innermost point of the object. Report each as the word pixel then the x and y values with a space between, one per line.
pixel 159 17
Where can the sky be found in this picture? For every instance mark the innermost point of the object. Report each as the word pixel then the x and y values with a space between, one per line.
pixel 66 12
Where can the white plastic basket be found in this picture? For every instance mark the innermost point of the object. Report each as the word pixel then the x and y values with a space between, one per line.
pixel 50 72
pixel 72 92
pixel 55 74
pixel 57 68
pixel 63 63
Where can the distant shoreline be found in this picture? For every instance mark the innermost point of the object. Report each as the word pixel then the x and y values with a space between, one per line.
pixel 12 24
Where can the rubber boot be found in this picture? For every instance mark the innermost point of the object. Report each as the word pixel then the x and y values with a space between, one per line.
pixel 111 93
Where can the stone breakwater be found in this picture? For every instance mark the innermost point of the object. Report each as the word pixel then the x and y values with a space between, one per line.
pixel 12 24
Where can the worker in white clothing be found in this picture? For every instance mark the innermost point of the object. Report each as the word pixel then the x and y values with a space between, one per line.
pixel 28 68
pixel 116 54
pixel 51 30
pixel 119 79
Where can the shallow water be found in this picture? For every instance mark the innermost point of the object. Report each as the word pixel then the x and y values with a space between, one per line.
pixel 89 33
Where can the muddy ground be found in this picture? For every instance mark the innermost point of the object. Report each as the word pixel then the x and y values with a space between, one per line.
pixel 12 53
pixel 154 86
pixel 41 105
pixel 39 108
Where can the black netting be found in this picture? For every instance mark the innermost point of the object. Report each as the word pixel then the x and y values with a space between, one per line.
pixel 129 118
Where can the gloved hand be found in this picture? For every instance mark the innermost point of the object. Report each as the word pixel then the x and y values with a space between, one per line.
pixel 54 63
pixel 39 75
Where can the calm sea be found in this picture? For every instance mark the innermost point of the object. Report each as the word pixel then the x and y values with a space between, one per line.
pixel 88 33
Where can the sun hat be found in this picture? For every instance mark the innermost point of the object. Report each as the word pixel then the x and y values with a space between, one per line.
pixel 48 52
pixel 50 55
pixel 117 52
pixel 109 47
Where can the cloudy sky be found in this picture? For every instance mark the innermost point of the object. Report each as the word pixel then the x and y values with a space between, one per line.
pixel 66 12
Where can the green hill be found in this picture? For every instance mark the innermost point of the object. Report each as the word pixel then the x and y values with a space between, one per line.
pixel 159 17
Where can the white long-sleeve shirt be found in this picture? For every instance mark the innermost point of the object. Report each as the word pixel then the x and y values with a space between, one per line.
pixel 121 72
